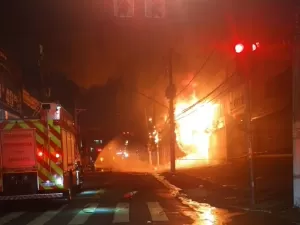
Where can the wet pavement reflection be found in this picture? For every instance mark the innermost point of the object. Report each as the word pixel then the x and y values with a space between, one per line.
pixel 206 214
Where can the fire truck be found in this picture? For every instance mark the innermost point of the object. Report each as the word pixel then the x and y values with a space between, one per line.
pixel 39 158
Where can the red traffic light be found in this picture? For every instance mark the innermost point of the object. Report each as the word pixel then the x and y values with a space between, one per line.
pixel 255 46
pixel 239 48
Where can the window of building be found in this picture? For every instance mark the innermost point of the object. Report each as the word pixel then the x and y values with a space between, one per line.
pixel 98 142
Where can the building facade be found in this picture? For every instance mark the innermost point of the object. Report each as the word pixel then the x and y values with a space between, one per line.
pixel 10 90
pixel 271 110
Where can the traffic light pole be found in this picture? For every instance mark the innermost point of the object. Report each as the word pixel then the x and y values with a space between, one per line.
pixel 249 138
pixel 244 67
pixel 296 113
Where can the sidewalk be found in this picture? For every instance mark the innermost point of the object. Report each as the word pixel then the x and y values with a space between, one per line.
pixel 227 186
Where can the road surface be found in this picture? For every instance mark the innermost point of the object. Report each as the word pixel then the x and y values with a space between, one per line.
pixel 229 183
pixel 106 200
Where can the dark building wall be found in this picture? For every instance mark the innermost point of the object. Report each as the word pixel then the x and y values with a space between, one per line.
pixel 10 85
pixel 273 133
pixel 272 119
pixel 236 138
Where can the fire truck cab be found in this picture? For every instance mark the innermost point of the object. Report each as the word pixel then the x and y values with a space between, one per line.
pixel 39 158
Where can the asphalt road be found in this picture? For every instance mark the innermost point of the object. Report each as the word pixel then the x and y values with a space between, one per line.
pixel 106 200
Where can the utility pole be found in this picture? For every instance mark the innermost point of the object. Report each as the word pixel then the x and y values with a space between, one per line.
pixel 148 120
pixel 170 94
pixel 156 132
pixel 296 111
pixel 77 111
pixel 150 153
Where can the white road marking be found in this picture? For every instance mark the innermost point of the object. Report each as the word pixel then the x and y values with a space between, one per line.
pixel 46 216
pixel 157 213
pixel 121 214
pixel 84 214
pixel 9 217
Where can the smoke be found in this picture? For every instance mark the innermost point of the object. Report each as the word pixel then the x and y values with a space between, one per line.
pixel 123 156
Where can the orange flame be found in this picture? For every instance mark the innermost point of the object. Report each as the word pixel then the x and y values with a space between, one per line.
pixel 194 131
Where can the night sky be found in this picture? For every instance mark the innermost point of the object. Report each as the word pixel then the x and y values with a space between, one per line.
pixel 85 41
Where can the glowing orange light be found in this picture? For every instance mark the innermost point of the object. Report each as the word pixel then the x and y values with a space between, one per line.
pixel 239 48
pixel 57 155
pixel 40 153
pixel 194 131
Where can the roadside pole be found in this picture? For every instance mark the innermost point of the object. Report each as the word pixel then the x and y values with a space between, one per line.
pixel 296 112
pixel 77 111
pixel 150 153
pixel 157 155
pixel 249 138
pixel 170 94
pixel 244 68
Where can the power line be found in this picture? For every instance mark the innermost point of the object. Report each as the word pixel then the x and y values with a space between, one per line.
pixel 202 100
pixel 196 103
pixel 185 115
pixel 208 95
pixel 211 100
pixel 198 72
pixel 150 98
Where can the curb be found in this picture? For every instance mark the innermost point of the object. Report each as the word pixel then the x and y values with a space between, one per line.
pixel 177 193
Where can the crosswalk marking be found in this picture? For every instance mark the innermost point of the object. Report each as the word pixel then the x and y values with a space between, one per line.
pixel 121 214
pixel 157 213
pixel 9 217
pixel 84 214
pixel 46 216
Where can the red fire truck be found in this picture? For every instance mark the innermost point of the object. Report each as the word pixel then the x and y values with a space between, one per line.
pixel 39 158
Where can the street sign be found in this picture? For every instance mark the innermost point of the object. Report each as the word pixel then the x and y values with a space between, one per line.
pixel 155 9
pixel 123 8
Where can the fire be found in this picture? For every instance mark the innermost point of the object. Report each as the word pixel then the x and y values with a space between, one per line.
pixel 193 131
